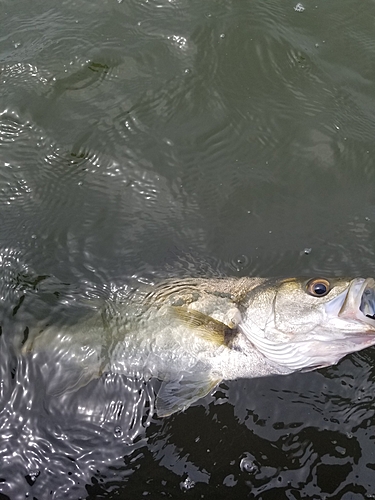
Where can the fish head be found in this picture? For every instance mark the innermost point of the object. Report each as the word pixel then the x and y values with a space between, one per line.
pixel 303 324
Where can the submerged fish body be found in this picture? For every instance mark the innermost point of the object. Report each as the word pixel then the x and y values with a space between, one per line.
pixel 194 333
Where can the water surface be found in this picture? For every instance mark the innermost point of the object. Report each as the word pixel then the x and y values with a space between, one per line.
pixel 146 139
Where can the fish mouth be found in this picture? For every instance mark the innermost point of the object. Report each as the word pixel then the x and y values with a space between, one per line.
pixel 359 302
pixel 367 306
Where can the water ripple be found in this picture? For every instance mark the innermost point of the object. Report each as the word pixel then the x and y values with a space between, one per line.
pixel 92 429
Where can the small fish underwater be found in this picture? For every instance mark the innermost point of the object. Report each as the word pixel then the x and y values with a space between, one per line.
pixel 194 333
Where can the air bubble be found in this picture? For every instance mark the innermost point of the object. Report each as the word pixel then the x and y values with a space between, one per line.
pixel 188 484
pixel 31 476
pixel 239 263
pixel 299 7
pixel 248 465
pixel 118 431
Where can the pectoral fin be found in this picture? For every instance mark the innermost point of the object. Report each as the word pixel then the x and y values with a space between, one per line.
pixel 209 328
pixel 177 395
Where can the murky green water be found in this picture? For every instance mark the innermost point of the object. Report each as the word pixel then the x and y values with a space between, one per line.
pixel 144 139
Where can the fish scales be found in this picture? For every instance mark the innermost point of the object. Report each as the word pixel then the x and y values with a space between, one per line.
pixel 193 333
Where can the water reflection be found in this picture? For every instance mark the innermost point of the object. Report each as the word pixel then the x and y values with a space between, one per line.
pixel 62 441
pixel 261 437
pixel 170 138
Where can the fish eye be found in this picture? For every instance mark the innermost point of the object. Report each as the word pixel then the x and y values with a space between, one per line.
pixel 318 287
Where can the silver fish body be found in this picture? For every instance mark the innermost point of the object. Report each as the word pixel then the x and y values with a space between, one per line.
pixel 194 333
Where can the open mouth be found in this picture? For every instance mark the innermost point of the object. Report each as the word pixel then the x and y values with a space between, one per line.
pixel 367 306
pixel 359 302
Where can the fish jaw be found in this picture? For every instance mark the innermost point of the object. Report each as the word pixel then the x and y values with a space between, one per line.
pixel 309 354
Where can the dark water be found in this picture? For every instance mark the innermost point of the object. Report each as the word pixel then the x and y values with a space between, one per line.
pixel 144 139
